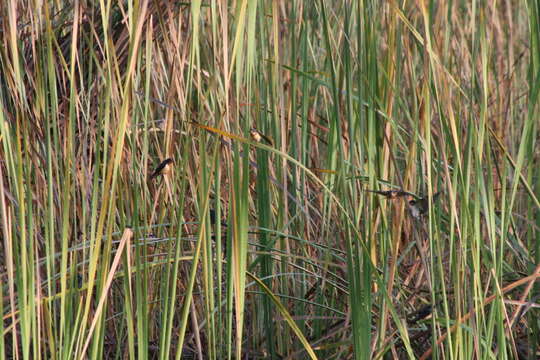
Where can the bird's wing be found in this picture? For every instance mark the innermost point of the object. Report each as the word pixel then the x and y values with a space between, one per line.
pixel 267 139
pixel 158 170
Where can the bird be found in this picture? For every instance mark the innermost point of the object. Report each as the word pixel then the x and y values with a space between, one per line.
pixel 259 137
pixel 213 218
pixel 392 194
pixel 419 206
pixel 420 314
pixel 163 168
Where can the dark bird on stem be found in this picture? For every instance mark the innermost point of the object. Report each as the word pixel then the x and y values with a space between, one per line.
pixel 420 314
pixel 419 206
pixel 213 218
pixel 163 168
pixel 392 194
pixel 259 137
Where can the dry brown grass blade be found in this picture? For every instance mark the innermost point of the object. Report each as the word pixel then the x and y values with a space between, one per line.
pixel 529 279
pixel 126 237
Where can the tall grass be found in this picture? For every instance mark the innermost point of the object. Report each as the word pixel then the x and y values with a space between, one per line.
pixel 269 249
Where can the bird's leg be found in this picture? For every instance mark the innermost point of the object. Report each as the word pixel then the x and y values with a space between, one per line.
pixel 421 240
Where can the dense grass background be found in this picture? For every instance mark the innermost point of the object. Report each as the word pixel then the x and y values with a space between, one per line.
pixel 99 262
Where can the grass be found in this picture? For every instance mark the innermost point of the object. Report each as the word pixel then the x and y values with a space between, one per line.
pixel 99 262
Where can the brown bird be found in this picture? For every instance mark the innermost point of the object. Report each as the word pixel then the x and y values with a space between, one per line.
pixel 259 137
pixel 163 168
pixel 419 206
pixel 392 194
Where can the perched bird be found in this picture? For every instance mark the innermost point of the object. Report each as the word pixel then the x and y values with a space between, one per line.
pixel 163 168
pixel 420 314
pixel 259 137
pixel 213 218
pixel 419 206
pixel 392 194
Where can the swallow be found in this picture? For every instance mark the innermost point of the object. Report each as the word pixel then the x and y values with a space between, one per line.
pixel 419 206
pixel 392 194
pixel 163 168
pixel 259 137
